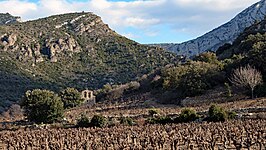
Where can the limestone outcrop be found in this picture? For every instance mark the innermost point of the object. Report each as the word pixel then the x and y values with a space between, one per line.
pixel 61 46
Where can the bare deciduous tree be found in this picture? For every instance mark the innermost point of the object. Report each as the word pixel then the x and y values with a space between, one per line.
pixel 247 77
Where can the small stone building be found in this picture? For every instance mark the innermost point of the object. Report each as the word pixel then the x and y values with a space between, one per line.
pixel 89 98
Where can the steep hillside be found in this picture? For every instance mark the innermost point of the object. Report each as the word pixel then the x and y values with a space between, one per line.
pixel 248 49
pixel 76 50
pixel 226 33
pixel 203 79
pixel 245 42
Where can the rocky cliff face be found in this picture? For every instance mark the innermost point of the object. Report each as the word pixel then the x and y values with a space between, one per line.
pixel 226 33
pixel 53 36
pixel 8 19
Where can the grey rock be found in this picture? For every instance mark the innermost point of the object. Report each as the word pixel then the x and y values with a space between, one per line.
pixel 8 40
pixel 37 53
pixel 94 28
pixel 4 43
pixel 6 18
pixel 25 53
pixel 61 46
pixel 12 39
pixel 53 59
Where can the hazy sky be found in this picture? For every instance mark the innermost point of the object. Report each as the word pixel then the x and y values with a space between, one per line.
pixel 146 21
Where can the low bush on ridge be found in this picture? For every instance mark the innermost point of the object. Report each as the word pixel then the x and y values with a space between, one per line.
pixel 127 121
pixel 187 115
pixel 215 114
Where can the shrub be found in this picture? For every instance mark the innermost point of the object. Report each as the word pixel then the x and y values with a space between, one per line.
pixel 83 121
pixel 98 121
pixel 228 90
pixel 71 97
pixel 165 120
pixel 153 112
pixel 112 121
pixel 126 121
pixel 217 114
pixel 107 88
pixel 42 106
pixel 208 57
pixel 187 115
pixel 232 115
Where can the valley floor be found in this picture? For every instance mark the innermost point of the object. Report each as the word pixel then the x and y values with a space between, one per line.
pixel 246 132
pixel 238 134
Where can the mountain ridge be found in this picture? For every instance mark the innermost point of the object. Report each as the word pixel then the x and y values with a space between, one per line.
pixel 70 50
pixel 225 33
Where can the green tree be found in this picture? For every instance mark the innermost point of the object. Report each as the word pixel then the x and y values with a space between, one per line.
pixel 172 76
pixel 42 106
pixel 200 76
pixel 192 78
pixel 71 97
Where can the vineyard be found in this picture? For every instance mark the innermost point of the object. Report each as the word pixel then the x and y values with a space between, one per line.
pixel 247 134
pixel 70 82
pixel 241 133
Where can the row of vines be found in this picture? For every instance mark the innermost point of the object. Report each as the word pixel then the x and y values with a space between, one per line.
pixel 237 134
